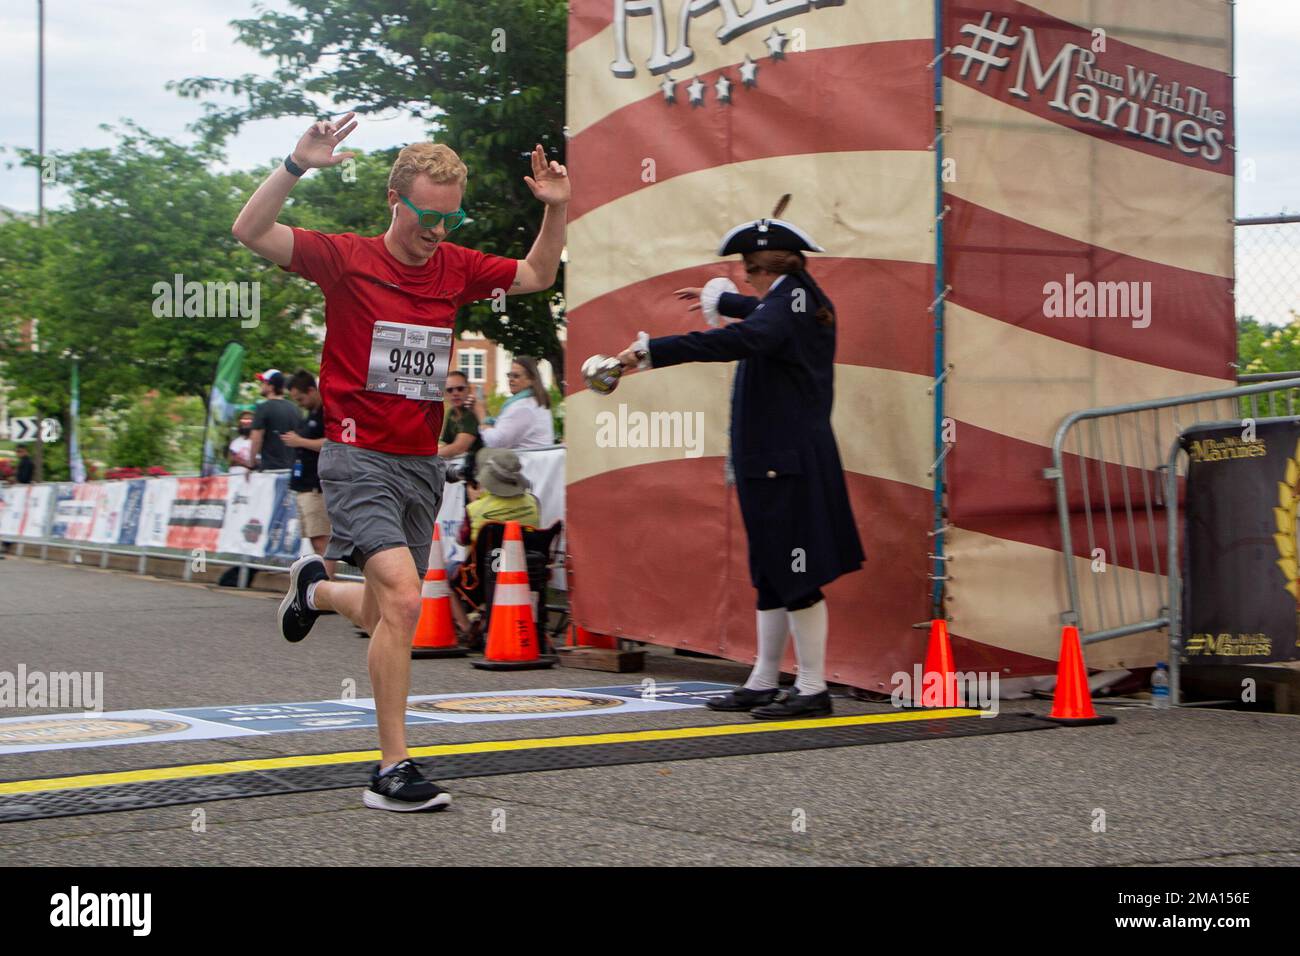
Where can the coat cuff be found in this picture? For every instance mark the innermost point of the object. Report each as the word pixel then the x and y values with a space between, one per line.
pixel 709 295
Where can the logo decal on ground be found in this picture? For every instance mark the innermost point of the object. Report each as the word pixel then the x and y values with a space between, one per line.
pixel 84 730
pixel 517 704
pixel 62 731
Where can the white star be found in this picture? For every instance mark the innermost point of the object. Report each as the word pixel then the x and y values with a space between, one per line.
pixel 696 91
pixel 776 44
pixel 749 72
pixel 669 87
pixel 723 88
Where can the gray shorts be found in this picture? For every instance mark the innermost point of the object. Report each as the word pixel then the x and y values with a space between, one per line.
pixel 378 501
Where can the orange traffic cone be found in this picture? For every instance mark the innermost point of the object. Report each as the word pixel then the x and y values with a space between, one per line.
pixel 939 670
pixel 584 638
pixel 512 633
pixel 435 635
pixel 1072 705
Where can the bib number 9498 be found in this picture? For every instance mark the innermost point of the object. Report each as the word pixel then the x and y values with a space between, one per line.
pixel 409 361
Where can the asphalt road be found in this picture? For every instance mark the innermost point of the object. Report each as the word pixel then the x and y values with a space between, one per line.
pixel 1180 787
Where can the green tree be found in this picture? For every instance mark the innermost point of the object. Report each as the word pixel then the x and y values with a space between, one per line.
pixel 1268 348
pixel 487 75
pixel 143 433
pixel 140 213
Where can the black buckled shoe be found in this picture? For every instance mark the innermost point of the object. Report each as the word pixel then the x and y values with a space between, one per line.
pixel 795 704
pixel 742 698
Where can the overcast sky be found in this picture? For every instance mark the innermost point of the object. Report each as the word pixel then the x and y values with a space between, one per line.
pixel 110 59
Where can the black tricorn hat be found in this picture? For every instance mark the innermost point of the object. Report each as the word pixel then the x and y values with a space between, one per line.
pixel 764 234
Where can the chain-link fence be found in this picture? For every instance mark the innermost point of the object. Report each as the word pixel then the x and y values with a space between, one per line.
pixel 1268 268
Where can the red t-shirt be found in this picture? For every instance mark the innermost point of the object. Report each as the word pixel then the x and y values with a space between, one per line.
pixel 363 283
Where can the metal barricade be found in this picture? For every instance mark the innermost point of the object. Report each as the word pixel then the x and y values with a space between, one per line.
pixel 1116 479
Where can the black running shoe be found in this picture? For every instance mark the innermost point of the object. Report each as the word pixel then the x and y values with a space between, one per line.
pixel 795 704
pixel 742 698
pixel 296 618
pixel 405 790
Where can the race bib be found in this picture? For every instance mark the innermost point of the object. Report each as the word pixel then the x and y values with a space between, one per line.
pixel 409 360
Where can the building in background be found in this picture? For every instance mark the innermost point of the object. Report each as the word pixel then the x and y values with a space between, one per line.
pixel 486 362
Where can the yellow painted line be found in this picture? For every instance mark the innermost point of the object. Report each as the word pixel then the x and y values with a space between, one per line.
pixel 476 747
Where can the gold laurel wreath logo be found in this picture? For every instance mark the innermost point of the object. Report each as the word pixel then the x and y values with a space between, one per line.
pixel 1288 497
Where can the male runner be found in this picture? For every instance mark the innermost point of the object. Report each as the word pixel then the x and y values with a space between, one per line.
pixel 387 298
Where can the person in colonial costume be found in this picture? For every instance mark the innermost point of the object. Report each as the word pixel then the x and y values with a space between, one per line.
pixel 789 479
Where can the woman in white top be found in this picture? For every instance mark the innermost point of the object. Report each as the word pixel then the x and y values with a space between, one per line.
pixel 525 418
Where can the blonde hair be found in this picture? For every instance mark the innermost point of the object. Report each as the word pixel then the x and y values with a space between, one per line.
pixel 435 160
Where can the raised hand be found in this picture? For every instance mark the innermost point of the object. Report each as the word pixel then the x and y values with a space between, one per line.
pixel 316 148
pixel 549 181
pixel 688 294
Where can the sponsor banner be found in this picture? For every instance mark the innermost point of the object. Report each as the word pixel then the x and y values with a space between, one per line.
pixel 132 511
pixel 13 507
pixel 283 537
pixel 36 522
pixel 74 511
pixel 155 511
pixel 107 524
pixel 69 731
pixel 250 501
pixel 1241 589
pixel 253 514
pixel 451 518
pixel 197 513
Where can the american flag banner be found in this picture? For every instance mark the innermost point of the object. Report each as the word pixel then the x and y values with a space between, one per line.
pixel 686 118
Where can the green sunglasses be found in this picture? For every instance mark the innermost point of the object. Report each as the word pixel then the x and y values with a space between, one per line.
pixel 429 218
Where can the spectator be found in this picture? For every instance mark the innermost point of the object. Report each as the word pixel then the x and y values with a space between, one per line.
pixel 26 472
pixel 525 419
pixel 498 493
pixel 239 453
pixel 271 419
pixel 460 428
pixel 303 479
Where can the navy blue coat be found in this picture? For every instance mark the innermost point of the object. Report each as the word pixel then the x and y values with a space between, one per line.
pixel 789 478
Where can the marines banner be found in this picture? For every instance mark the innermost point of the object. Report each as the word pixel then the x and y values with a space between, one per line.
pixel 1241 586
pixel 1088 251
pixel 1070 166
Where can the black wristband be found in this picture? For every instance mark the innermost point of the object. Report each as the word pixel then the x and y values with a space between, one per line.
pixel 294 168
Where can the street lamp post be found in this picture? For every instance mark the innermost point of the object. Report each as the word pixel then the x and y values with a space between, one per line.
pixel 40 111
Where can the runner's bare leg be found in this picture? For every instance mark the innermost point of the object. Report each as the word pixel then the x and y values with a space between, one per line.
pixel 347 598
pixel 393 586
